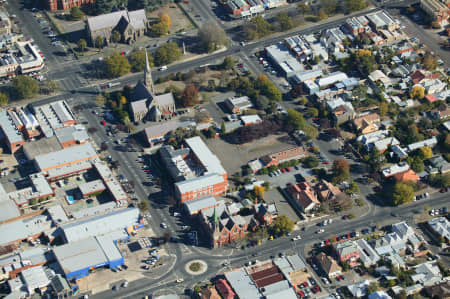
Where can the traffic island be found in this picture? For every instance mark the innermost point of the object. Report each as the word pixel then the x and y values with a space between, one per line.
pixel 196 267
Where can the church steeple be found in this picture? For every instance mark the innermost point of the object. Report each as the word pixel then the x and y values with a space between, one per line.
pixel 148 75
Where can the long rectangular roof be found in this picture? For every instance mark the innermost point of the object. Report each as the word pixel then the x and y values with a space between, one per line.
pixel 66 156
pixel 199 182
pixel 204 154
pixel 242 284
pixel 9 129
pixel 199 204
pixel 136 18
pixel 101 224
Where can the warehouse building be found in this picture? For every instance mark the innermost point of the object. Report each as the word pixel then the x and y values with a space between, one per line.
pixel 65 157
pixel 280 55
pixel 11 134
pixel 125 220
pixel 77 259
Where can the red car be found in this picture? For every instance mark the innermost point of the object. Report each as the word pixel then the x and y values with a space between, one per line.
pixel 326 162
pixel 283 170
pixel 288 169
pixel 316 289
pixel 301 294
pixel 305 284
pixel 104 122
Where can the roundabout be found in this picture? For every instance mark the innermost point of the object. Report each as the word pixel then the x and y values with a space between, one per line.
pixel 196 267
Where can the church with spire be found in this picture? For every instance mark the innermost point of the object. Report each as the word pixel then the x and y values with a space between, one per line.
pixel 145 104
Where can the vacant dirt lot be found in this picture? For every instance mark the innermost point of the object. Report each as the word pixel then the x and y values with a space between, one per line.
pixel 179 20
pixel 233 157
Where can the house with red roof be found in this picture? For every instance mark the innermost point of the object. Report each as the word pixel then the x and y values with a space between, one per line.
pixel 225 289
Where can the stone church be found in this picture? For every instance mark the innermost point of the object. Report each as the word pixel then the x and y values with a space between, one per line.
pixel 145 104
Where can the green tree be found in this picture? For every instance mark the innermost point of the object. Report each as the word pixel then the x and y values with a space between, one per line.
pixel 354 5
pixel 375 160
pixel 100 100
pixel 160 29
pixel 282 225
pixel 310 162
pixel 295 119
pixel 99 42
pixel 313 112
pixel 268 88
pixel 372 287
pixel 303 8
pixel 4 99
pixel 257 28
pixel 25 87
pixel 426 152
pixel 285 21
pixel 227 63
pixel 82 44
pixel 322 15
pixel 402 193
pixel 311 131
pixel 49 86
pixel 360 92
pixel 116 36
pixel 329 6
pixel 137 60
pixel 144 206
pixel 167 54
pixel 429 61
pixel 341 170
pixel 103 6
pixel 76 13
pixel 383 108
pixel 116 65
pixel 212 36
pixel 353 188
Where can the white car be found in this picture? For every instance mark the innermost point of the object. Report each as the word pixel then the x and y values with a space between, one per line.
pixel 320 231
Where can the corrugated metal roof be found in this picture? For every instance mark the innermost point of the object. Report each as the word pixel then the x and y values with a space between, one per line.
pixel 65 156
pixel 199 183
pixel 201 203
pixel 206 157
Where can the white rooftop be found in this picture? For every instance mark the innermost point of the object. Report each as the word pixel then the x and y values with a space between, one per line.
pixel 66 156
pixel 210 161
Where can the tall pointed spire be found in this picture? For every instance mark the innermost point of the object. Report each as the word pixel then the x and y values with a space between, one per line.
pixel 148 75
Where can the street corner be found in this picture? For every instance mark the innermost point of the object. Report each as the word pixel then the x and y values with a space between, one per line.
pixel 196 267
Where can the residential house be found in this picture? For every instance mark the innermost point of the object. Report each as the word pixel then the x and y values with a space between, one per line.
pixel 367 123
pixel 359 289
pixel 131 25
pixel 427 274
pixel 440 228
pixel 343 113
pixel 145 104
pixel 326 191
pixel 379 295
pixel 347 252
pixel 367 254
pixel 248 120
pixel 377 77
pixel 406 233
pixel 328 265
pixel 441 290
pixel 304 196
pixel 433 86
pixel 440 113
pixel 265 213
pixel 431 142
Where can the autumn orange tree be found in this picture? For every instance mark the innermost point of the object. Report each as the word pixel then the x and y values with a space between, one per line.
pixel 341 170
pixel 189 97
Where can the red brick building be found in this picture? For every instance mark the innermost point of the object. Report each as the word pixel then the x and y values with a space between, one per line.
pixel 224 289
pixel 67 4
pixel 347 252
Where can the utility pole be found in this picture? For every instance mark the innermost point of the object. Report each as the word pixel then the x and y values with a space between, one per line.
pixel 184 49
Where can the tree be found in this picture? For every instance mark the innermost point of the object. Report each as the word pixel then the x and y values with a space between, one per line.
pixel 25 87
pixel 402 193
pixel 313 112
pixel 303 8
pixel 259 191
pixel 223 128
pixel 189 97
pixel 49 87
pixel 165 19
pixel 167 54
pixel 116 36
pixel 282 225
pixel 322 15
pixel 227 63
pixel 82 44
pixel 103 146
pixel 310 162
pixel 353 188
pixel 311 131
pixel 295 119
pixel 329 6
pixel 268 88
pixel 137 60
pixel 212 37
pixel 354 5
pixel 341 170
pixel 4 99
pixel 372 287
pixel 285 21
pixel 417 92
pixel 160 29
pixel 99 42
pixel 92 130
pixel 116 65
pixel 383 108
pixel 360 92
pixel 429 61
pixel 427 152
pixel 257 28
pixel 144 206
pixel 375 160
pixel 103 6
pixel 76 13
pixel 100 100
